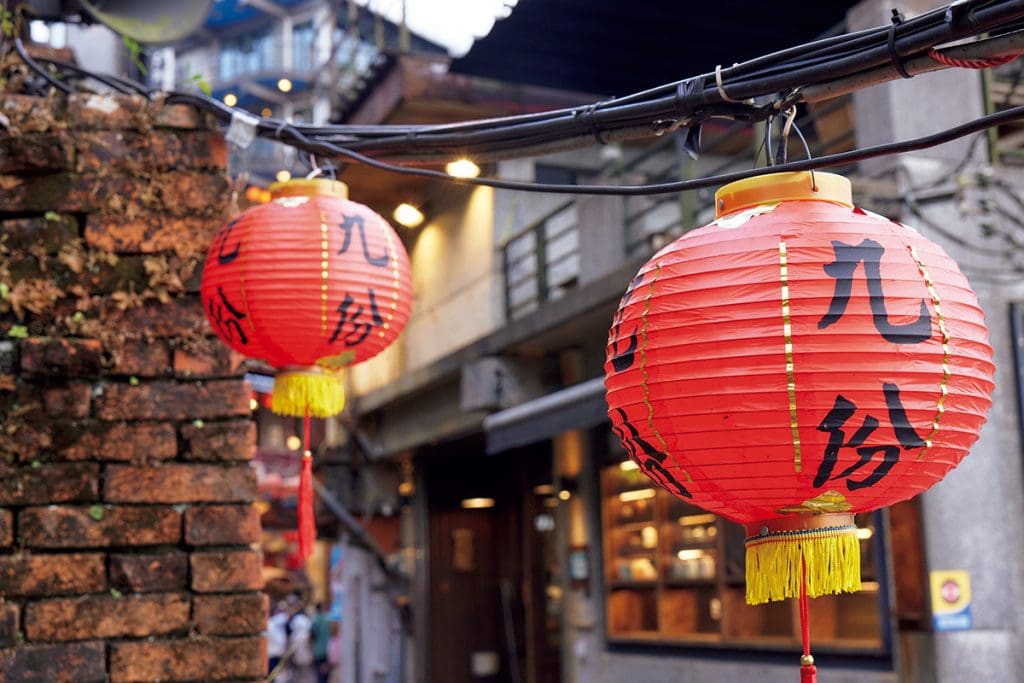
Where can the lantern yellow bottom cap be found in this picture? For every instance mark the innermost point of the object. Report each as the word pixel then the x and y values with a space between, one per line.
pixel 774 563
pixel 320 393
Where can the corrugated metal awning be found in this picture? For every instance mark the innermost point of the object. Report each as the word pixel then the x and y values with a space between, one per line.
pixel 577 407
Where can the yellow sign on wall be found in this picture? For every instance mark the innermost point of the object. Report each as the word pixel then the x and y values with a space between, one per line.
pixel 951 599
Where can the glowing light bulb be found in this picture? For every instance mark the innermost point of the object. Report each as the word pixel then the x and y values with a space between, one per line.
pixel 293 443
pixel 462 168
pixel 284 85
pixel 283 176
pixel 230 99
pixel 408 215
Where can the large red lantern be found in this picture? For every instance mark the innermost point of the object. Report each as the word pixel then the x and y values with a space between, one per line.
pixel 795 362
pixel 310 283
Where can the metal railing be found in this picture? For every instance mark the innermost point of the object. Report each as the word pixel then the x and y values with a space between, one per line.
pixel 542 263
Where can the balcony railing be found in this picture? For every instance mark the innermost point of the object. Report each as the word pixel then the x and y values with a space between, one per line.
pixel 542 263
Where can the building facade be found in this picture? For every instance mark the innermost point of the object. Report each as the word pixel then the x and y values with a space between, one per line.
pixel 537 554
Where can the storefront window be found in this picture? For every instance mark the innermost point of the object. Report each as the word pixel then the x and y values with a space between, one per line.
pixel 674 572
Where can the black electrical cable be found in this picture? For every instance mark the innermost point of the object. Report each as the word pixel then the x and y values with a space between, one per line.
pixel 641 114
pixel 329 149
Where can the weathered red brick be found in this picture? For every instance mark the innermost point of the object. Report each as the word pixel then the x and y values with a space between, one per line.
pixel 99 526
pixel 178 483
pixel 70 401
pixel 60 663
pixel 50 233
pixel 10 618
pixel 225 571
pixel 140 358
pixel 183 192
pixel 209 357
pixel 203 149
pixel 105 112
pixel 137 442
pixel 29 114
pixel 149 572
pixel 167 400
pixel 230 615
pixel 36 152
pixel 151 233
pixel 106 192
pixel 6 528
pixel 225 440
pixel 67 574
pixel 61 357
pixel 27 443
pixel 49 483
pixel 206 659
pixel 177 116
pixel 181 317
pixel 104 616
pixel 111 151
pixel 222 525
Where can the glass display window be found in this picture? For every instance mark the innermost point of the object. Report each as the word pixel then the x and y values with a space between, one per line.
pixel 675 573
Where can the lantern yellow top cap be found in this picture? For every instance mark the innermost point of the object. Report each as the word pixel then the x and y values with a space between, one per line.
pixel 782 187
pixel 310 187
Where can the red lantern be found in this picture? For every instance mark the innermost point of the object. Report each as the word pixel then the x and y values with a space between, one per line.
pixel 310 283
pixel 795 362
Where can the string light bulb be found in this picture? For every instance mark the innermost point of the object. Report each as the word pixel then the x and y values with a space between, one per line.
pixel 408 215
pixel 284 85
pixel 283 176
pixel 462 168
pixel 230 99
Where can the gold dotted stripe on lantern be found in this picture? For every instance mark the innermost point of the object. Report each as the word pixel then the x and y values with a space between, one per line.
pixel 241 282
pixel 643 371
pixel 944 384
pixel 393 256
pixel 787 331
pixel 324 251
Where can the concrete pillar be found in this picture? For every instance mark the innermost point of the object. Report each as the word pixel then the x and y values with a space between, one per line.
pixel 973 520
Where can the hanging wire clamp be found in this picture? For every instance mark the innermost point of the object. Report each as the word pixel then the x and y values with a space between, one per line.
pixel 588 123
pixel 242 129
pixel 897 61
pixel 721 89
pixel 316 170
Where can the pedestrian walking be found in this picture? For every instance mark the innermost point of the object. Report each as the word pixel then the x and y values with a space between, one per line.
pixel 321 631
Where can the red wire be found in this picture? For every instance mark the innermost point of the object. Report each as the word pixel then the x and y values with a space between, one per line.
pixel 805 626
pixel 972 63
pixel 305 432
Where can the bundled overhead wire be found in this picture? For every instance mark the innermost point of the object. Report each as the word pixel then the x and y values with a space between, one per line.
pixel 752 91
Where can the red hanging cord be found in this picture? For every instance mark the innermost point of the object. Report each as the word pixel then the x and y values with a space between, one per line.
pixel 808 672
pixel 972 63
pixel 307 525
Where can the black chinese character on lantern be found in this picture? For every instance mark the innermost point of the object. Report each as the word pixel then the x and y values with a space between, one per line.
pixel 359 329
pixel 225 258
pixel 842 410
pixel 622 360
pixel 848 256
pixel 648 457
pixel 226 317
pixel 357 224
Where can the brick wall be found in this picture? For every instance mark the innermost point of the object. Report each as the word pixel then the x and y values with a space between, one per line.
pixel 126 517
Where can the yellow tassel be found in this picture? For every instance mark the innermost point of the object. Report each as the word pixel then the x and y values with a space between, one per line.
pixel 320 391
pixel 774 567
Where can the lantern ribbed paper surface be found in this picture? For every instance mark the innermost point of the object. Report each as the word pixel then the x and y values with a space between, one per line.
pixel 310 283
pixel 793 363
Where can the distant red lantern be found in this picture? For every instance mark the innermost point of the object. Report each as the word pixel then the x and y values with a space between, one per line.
pixel 795 362
pixel 310 283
